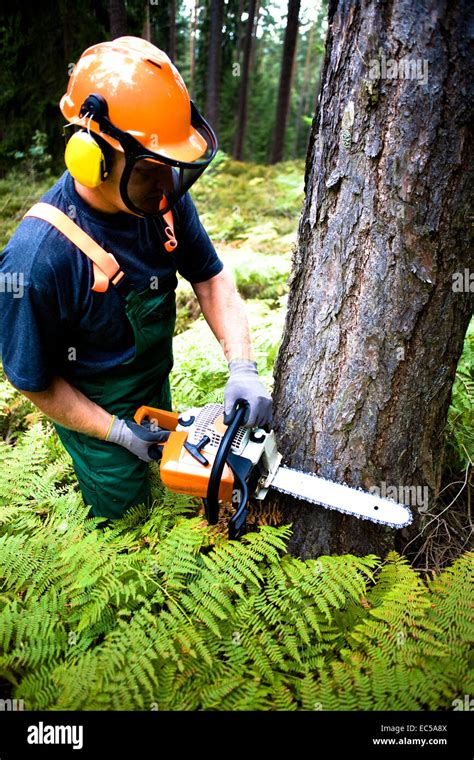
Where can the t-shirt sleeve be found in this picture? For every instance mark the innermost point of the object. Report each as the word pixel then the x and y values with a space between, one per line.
pixel 196 257
pixel 29 337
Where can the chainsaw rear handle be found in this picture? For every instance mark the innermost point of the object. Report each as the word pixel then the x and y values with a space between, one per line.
pixel 161 417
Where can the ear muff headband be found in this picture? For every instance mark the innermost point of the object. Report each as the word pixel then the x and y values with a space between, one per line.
pixel 95 106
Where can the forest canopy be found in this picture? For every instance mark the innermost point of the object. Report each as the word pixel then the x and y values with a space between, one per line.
pixel 40 45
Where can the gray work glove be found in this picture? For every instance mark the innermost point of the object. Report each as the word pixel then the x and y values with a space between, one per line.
pixel 244 383
pixel 142 440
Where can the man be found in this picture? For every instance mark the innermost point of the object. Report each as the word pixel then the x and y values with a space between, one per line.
pixel 90 340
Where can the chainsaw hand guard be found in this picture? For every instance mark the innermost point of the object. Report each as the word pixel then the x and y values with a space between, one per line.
pixel 240 469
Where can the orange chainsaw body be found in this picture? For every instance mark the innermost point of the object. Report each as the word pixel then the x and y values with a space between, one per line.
pixel 179 470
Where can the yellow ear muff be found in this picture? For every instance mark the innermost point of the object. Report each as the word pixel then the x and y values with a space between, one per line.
pixel 85 159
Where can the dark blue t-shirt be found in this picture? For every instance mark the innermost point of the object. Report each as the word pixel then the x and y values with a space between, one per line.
pixel 47 306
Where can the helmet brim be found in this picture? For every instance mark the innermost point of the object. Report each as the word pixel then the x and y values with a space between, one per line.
pixel 187 150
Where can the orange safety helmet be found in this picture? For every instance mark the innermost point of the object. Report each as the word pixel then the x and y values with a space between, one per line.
pixel 130 94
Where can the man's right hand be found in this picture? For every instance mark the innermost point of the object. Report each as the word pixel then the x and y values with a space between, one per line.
pixel 144 440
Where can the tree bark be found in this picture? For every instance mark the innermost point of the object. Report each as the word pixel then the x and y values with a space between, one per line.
pixel 284 89
pixel 117 19
pixel 214 63
pixel 374 327
pixel 243 90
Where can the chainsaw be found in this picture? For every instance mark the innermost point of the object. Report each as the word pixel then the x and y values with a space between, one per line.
pixel 203 457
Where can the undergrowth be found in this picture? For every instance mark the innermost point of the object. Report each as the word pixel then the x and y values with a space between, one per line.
pixel 161 612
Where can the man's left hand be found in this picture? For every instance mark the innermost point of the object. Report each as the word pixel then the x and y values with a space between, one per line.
pixel 245 383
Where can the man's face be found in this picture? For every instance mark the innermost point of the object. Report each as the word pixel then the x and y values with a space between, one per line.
pixel 148 180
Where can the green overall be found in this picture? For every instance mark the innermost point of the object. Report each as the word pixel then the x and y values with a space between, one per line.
pixel 111 478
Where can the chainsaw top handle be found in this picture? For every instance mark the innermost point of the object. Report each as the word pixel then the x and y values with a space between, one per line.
pixel 240 467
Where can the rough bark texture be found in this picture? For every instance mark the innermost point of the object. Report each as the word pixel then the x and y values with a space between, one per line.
pixel 284 89
pixel 374 329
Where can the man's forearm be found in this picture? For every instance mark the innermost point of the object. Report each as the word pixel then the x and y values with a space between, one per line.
pixel 70 408
pixel 225 314
pixel 224 311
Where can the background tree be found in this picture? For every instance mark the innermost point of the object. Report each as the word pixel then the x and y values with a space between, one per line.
pixel 241 122
pixel 117 18
pixel 146 34
pixel 303 96
pixel 240 30
pixel 286 75
pixel 374 329
pixel 172 34
pixel 192 34
pixel 214 63
pixel 253 47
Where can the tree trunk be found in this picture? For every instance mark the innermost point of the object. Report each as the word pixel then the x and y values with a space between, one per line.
pixel 243 90
pixel 375 326
pixel 289 48
pixel 117 19
pixel 253 47
pixel 214 63
pixel 304 89
pixel 172 33
pixel 192 41
pixel 240 33
pixel 146 33
pixel 68 19
pixel 293 75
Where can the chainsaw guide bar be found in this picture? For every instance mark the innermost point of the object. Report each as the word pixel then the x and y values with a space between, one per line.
pixel 316 490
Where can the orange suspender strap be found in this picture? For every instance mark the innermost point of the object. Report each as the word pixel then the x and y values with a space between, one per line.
pixel 105 265
pixel 171 243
